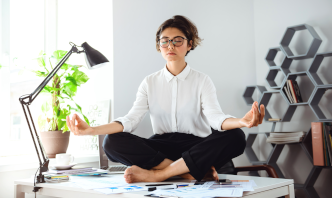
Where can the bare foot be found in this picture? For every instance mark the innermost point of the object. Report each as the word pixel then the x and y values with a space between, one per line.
pixel 187 176
pixel 138 174
pixel 211 175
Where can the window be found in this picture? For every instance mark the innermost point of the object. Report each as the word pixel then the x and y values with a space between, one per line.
pixel 26 39
pixel 29 32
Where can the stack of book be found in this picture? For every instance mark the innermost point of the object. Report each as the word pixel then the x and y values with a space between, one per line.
pixel 285 137
pixel 63 174
pixel 292 91
pixel 72 170
pixel 322 143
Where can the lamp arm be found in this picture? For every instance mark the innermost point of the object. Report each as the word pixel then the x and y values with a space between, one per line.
pixel 43 165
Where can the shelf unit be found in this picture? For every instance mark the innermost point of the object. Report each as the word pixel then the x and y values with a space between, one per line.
pixel 313 101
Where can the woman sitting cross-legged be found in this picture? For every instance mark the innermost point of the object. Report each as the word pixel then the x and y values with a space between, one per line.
pixel 192 136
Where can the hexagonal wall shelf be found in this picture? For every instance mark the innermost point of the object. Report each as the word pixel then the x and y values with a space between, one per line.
pixel 293 76
pixel 315 99
pixel 315 66
pixel 265 100
pixel 286 63
pixel 286 39
pixel 249 91
pixel 272 159
pixel 271 55
pixel 271 76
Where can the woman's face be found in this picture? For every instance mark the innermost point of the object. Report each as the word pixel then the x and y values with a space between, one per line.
pixel 178 52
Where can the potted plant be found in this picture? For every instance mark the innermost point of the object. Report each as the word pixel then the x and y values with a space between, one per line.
pixel 54 130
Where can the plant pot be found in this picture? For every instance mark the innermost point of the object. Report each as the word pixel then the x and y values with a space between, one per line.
pixel 54 142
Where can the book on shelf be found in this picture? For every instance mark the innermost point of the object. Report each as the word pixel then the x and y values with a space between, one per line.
pixel 286 91
pixel 327 146
pixel 292 91
pixel 284 142
pixel 328 138
pixel 321 143
pixel 291 88
pixel 285 137
pixel 287 134
pixel 297 91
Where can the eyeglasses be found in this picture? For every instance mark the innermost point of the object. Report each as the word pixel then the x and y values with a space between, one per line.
pixel 177 41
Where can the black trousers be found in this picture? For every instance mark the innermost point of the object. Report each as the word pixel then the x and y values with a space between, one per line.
pixel 198 153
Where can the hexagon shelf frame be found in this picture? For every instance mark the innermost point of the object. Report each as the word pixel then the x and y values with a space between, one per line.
pixel 313 102
pixel 315 99
pixel 286 39
pixel 272 159
pixel 293 76
pixel 249 91
pixel 271 76
pixel 265 100
pixel 315 66
pixel 271 55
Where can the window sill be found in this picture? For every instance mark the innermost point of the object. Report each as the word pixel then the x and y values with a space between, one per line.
pixel 32 162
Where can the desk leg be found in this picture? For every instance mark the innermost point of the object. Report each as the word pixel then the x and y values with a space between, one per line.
pixel 18 192
pixel 291 191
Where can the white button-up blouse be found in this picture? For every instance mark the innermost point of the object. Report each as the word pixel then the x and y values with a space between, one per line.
pixel 186 103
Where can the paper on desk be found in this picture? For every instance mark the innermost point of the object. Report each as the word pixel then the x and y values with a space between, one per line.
pixel 251 182
pixel 194 192
pixel 247 184
pixel 244 187
pixel 120 189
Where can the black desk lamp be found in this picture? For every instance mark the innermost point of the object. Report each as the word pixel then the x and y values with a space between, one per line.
pixel 94 59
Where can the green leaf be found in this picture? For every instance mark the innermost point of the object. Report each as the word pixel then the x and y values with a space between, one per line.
pixel 47 89
pixel 70 89
pixel 79 107
pixel 42 53
pixel 46 106
pixel 41 61
pixel 86 119
pixel 80 77
pixel 74 67
pixel 65 128
pixel 41 122
pixel 40 73
pixel 72 79
pixel 65 66
pixel 60 123
pixel 71 108
pixel 55 111
pixel 59 54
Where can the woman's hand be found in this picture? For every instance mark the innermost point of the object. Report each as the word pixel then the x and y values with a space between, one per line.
pixel 253 117
pixel 82 128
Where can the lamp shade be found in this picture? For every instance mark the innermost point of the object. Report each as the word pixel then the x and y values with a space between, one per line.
pixel 93 58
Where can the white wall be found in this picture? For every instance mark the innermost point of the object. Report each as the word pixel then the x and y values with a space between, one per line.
pixel 227 54
pixel 88 21
pixel 271 19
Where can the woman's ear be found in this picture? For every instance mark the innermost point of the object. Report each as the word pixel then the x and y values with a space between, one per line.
pixel 190 45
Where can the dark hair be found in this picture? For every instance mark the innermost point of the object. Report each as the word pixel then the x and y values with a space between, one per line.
pixel 187 27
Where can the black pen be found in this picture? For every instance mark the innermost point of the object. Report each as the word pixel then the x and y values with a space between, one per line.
pixel 158 184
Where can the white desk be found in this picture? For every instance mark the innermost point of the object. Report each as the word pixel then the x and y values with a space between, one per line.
pixel 266 187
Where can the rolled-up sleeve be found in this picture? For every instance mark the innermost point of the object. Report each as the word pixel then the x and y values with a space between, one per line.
pixel 210 105
pixel 138 111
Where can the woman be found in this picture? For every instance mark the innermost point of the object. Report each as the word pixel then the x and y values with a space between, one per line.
pixel 192 136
